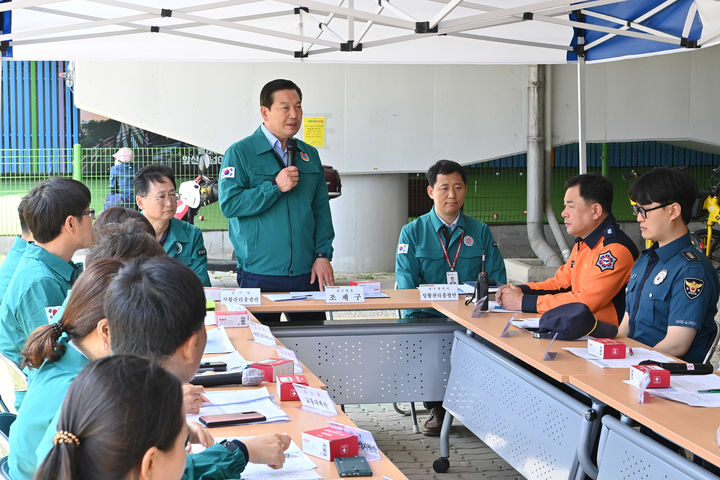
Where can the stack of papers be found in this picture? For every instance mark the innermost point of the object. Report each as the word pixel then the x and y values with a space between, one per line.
pixel 233 360
pixel 684 389
pixel 218 341
pixel 639 354
pixel 238 401
pixel 297 466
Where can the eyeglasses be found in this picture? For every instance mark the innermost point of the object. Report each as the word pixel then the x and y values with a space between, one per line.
pixel 638 210
pixel 173 197
pixel 90 212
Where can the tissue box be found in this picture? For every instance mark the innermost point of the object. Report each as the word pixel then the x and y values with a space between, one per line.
pixel 659 377
pixel 369 286
pixel 239 317
pixel 274 367
pixel 328 443
pixel 606 348
pixel 286 390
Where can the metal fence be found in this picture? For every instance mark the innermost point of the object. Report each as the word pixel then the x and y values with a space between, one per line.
pixel 496 190
pixel 20 169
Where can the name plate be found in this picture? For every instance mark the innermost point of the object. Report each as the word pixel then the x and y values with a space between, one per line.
pixel 262 334
pixel 316 400
pixel 243 296
pixel 288 354
pixel 439 291
pixel 344 295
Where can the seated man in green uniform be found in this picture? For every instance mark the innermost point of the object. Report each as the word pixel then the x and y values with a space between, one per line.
pixel 58 213
pixel 445 246
pixel 672 294
pixel 155 309
pixel 272 190
pixel 157 198
pixel 8 266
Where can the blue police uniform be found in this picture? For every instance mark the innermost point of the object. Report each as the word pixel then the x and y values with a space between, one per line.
pixel 45 281
pixel 185 242
pixel 680 289
pixel 42 400
pixel 8 266
pixel 420 257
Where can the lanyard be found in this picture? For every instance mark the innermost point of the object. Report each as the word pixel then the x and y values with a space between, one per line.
pixel 460 242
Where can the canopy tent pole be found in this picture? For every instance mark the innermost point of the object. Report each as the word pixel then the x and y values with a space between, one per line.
pixel 580 50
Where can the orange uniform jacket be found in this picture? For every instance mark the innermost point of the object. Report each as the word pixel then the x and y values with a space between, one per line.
pixel 595 274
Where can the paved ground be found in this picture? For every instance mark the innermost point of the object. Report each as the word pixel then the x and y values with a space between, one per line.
pixel 413 453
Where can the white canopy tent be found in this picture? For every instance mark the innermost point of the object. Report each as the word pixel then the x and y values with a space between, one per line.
pixel 359 31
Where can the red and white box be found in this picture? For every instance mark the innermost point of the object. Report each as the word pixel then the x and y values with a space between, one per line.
pixel 275 367
pixel 328 443
pixel 606 348
pixel 286 390
pixel 369 286
pixel 659 377
pixel 238 317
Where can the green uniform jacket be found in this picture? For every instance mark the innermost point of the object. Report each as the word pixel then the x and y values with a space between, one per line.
pixel 184 241
pixel 8 266
pixel 44 282
pixel 274 233
pixel 43 399
pixel 213 463
pixel 420 258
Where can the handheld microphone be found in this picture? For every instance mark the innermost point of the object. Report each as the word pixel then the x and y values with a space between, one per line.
pixel 291 151
pixel 681 368
pixel 483 285
pixel 249 377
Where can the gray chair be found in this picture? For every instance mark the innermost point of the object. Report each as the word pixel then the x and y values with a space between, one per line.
pixel 4 473
pixel 713 345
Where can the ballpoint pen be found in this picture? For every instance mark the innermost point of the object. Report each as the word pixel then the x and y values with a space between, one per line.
pixel 711 390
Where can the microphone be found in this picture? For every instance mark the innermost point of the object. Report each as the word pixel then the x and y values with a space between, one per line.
pixel 680 368
pixel 249 377
pixel 291 151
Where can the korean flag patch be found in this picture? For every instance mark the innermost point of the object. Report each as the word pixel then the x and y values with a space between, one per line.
pixel 693 287
pixel 228 172
pixel 402 248
pixel 606 261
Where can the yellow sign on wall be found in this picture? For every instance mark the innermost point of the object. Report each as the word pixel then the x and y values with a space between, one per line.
pixel 314 131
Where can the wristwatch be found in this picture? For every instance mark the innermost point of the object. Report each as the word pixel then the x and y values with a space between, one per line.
pixel 321 255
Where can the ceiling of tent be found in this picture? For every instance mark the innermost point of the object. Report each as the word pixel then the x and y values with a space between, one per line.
pixel 353 31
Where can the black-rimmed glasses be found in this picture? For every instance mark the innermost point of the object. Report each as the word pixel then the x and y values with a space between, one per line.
pixel 638 210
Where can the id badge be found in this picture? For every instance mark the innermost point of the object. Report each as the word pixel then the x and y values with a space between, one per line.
pixel 452 278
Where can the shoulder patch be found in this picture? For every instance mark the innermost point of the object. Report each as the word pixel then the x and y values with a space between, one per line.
pixel 606 261
pixel 691 256
pixel 693 287
pixel 402 248
pixel 228 172
pixel 202 252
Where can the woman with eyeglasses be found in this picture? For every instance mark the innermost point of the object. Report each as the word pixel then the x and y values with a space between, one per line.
pixel 122 418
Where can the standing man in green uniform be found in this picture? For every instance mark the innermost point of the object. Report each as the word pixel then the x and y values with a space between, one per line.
pixel 444 246
pixel 8 266
pixel 157 198
pixel 58 215
pixel 273 191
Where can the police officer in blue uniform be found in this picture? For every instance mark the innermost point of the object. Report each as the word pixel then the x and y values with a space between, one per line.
pixel 672 294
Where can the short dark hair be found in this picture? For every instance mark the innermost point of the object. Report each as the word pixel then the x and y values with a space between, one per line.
pixel 153 306
pixel 444 167
pixel 123 241
pixel 83 312
pixel 121 215
pixel 666 185
pixel 593 189
pixel 21 215
pixel 266 94
pixel 118 407
pixel 50 202
pixel 152 173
